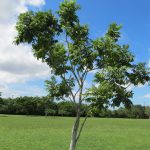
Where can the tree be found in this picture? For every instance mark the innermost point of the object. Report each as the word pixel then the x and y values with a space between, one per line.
pixel 0 95
pixel 137 111
pixel 64 44
pixel 147 111
pixel 66 109
pixel 1 100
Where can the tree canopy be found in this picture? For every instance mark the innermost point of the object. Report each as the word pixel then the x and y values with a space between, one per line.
pixel 60 40
pixel 64 44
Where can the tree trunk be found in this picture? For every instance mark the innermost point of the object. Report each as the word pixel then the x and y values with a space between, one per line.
pixel 74 132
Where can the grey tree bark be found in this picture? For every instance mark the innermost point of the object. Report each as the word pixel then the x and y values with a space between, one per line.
pixel 75 132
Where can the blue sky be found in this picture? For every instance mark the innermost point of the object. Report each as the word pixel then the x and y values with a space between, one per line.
pixel 134 15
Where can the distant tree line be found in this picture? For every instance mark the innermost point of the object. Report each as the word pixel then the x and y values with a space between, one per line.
pixel 136 111
pixel 46 106
pixel 37 106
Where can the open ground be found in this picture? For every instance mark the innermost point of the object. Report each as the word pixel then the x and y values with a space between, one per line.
pixel 53 133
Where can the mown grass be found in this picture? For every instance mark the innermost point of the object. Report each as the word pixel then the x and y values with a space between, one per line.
pixel 53 133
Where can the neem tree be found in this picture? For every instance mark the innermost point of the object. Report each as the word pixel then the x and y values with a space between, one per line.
pixel 64 44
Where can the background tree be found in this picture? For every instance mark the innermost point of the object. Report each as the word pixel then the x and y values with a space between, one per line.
pixel 0 95
pixel 1 101
pixel 147 111
pixel 64 44
pixel 66 109
pixel 137 111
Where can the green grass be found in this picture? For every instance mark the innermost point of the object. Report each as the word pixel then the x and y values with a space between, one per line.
pixel 53 133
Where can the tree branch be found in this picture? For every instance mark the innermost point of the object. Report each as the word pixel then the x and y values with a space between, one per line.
pixel 82 125
pixel 128 85
pixel 73 97
pixel 72 68
pixel 81 128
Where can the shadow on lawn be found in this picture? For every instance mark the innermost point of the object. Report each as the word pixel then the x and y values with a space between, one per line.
pixel 3 116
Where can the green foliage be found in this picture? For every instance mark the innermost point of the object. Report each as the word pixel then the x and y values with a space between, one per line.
pixel 67 13
pixel 46 106
pixel 66 109
pixel 64 44
pixel 38 106
pixel 114 32
pixel 147 111
pixel 59 90
pixel 1 100
pixel 27 105
pixel 50 112
pixel 139 74
pixel 137 112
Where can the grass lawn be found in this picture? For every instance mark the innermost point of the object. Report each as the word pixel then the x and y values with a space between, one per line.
pixel 53 133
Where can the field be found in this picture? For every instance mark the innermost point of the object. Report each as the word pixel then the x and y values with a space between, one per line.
pixel 53 133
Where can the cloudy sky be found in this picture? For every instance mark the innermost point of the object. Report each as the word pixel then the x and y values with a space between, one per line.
pixel 21 74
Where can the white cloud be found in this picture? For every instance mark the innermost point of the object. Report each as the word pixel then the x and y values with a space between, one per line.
pixel 17 64
pixel 35 2
pixel 25 90
pixel 147 96
pixel 9 9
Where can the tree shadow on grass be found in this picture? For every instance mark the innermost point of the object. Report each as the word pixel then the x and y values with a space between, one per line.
pixel 3 116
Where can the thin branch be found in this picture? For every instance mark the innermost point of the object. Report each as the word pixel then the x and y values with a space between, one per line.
pixel 69 88
pixel 121 86
pixel 77 92
pixel 71 99
pixel 81 128
pixel 84 97
pixel 128 85
pixel 73 71
pixel 84 76
pixel 78 74
pixel 93 69
pixel 72 67
pixel 82 125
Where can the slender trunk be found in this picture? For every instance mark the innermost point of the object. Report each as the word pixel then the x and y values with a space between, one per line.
pixel 75 132
pixel 76 126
